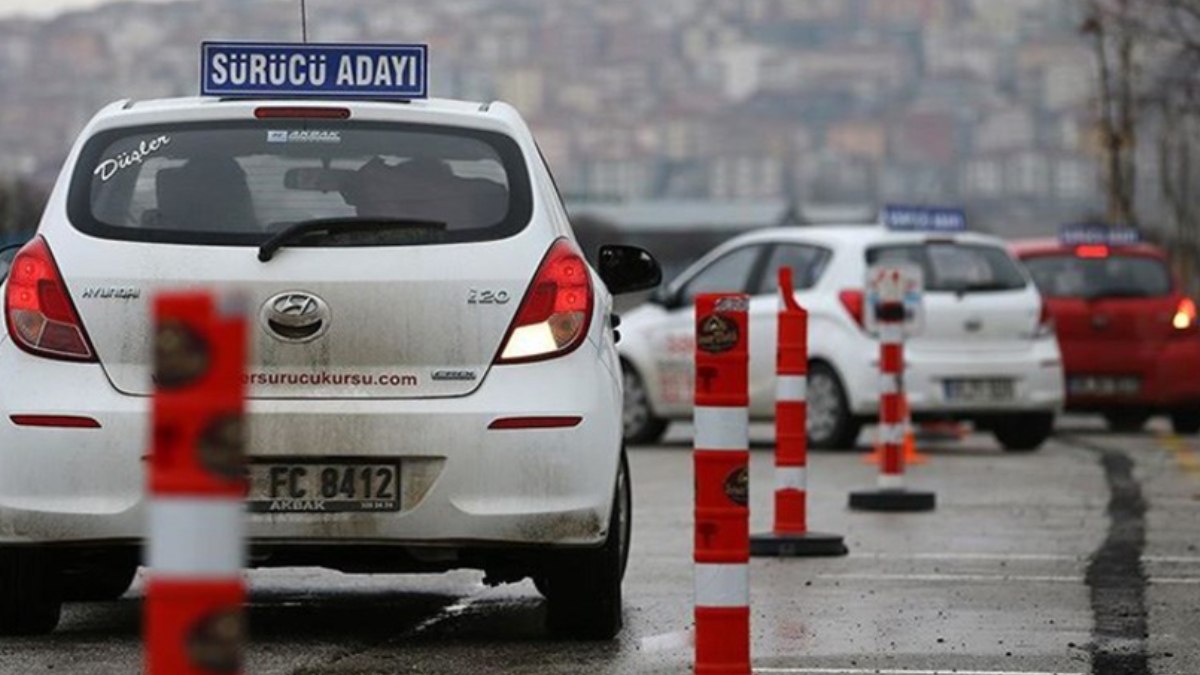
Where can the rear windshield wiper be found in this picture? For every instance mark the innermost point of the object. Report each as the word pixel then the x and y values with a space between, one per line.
pixel 962 289
pixel 337 225
pixel 1118 293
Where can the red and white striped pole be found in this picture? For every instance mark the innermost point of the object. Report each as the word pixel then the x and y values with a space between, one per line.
pixel 193 612
pixel 790 536
pixel 892 494
pixel 722 478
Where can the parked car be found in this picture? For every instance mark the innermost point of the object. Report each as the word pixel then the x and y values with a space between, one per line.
pixel 987 352
pixel 1128 332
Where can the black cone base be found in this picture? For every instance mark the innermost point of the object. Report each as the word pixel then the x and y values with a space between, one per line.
pixel 807 545
pixel 893 500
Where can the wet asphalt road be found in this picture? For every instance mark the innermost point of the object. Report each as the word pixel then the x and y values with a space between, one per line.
pixel 1083 555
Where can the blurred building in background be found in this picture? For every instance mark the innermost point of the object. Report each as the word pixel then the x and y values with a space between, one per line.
pixel 767 102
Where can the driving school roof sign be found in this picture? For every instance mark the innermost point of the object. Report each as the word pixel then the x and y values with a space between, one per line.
pixel 924 219
pixel 1098 233
pixel 314 70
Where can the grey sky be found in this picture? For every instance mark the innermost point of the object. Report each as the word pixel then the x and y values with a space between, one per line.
pixel 47 7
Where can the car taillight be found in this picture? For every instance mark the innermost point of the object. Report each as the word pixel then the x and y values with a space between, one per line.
pixel 1092 251
pixel 554 316
pixel 852 300
pixel 1185 315
pixel 41 317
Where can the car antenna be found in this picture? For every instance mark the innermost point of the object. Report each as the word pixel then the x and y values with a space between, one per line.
pixel 304 21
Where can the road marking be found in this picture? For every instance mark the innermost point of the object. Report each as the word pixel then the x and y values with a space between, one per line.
pixel 450 611
pixel 995 578
pixel 1032 557
pixel 1171 559
pixel 1185 455
pixel 1050 579
pixel 901 671
pixel 893 671
pixel 680 639
pixel 1016 557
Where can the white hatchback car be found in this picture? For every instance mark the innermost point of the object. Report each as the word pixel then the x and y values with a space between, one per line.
pixel 420 306
pixel 987 352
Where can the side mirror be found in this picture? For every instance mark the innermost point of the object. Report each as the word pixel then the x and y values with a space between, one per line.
pixel 628 269
pixel 6 258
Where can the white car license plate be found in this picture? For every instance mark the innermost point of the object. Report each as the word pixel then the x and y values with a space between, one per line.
pixel 323 487
pixel 1103 385
pixel 993 390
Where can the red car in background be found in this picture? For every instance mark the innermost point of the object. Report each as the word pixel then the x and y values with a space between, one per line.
pixel 1128 335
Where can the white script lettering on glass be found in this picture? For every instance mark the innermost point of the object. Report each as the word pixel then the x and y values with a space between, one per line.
pixel 109 167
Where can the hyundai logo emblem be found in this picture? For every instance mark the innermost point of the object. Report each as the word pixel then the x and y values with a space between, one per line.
pixel 295 316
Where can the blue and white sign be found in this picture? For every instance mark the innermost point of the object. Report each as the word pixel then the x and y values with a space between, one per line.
pixel 314 70
pixel 923 219
pixel 1082 234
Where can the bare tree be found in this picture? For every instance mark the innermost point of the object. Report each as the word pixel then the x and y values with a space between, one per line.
pixel 1148 60
pixel 1111 25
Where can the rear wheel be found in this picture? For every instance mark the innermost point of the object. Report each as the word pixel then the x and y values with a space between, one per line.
pixel 641 427
pixel 1126 421
pixel 30 602
pixel 830 424
pixel 583 590
pixel 1024 433
pixel 1185 422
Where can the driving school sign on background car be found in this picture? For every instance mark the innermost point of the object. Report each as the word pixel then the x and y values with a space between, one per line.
pixel 329 70
pixel 924 219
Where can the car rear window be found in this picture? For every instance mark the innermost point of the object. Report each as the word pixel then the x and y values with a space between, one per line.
pixel 954 267
pixel 237 183
pixel 1125 276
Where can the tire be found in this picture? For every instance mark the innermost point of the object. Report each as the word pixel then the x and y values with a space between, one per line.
pixel 1025 432
pixel 583 589
pixel 830 424
pixel 98 583
pixel 1185 422
pixel 640 425
pixel 1126 421
pixel 30 602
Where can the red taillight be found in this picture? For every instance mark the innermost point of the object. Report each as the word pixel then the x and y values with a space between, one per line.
pixel 1185 315
pixel 535 422
pixel 299 113
pixel 60 421
pixel 853 300
pixel 1092 251
pixel 41 317
pixel 554 316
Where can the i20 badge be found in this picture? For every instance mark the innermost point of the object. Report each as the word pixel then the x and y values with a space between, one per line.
pixel 295 316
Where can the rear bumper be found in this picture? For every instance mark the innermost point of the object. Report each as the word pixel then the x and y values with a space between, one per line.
pixel 1036 372
pixel 461 483
pixel 1169 371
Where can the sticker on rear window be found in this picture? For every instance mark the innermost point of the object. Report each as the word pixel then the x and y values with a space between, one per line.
pixel 109 167
pixel 303 136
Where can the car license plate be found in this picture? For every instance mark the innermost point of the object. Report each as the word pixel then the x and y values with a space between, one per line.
pixel 324 487
pixel 1103 385
pixel 979 390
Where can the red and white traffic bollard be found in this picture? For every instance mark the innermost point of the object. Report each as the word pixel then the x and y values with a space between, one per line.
pixel 194 596
pixel 722 478
pixel 790 536
pixel 892 494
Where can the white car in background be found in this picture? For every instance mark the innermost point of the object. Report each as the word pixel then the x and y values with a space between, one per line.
pixel 987 352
